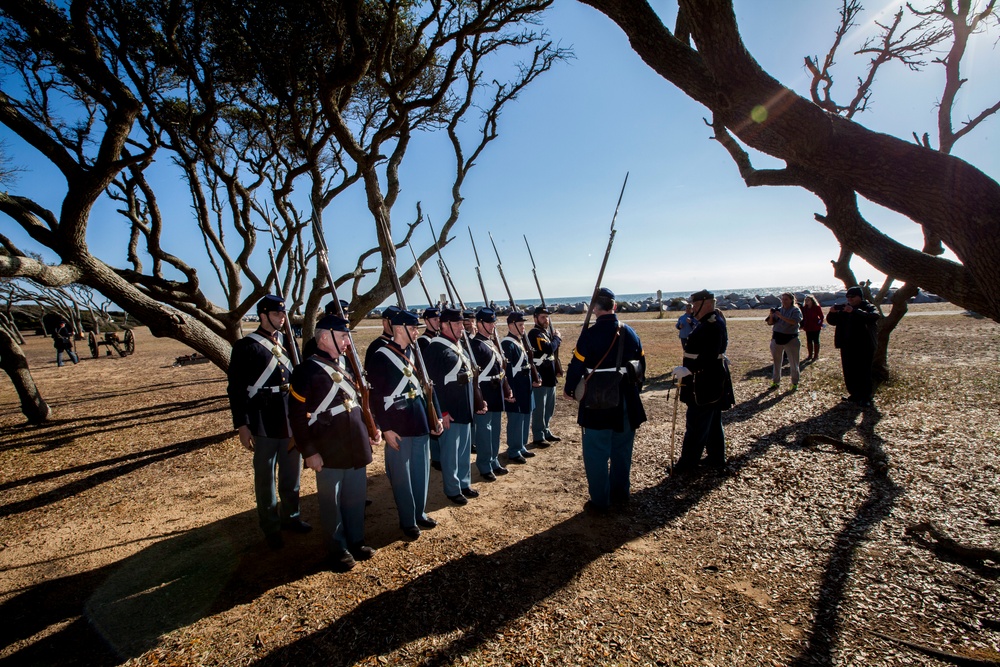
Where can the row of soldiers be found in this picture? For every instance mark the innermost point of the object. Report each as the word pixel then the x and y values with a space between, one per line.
pixel 311 413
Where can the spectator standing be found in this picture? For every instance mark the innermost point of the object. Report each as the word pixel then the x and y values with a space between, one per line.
pixel 857 325
pixel 685 325
pixel 62 339
pixel 785 323
pixel 812 324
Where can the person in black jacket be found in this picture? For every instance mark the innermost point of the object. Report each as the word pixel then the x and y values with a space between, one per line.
pixel 62 340
pixel 259 373
pixel 608 432
pixel 432 324
pixel 706 386
pixel 495 393
pixel 518 370
pixel 543 354
pixel 330 433
pixel 855 336
pixel 400 410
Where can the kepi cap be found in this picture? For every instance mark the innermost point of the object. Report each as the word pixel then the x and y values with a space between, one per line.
pixel 542 310
pixel 331 308
pixel 702 296
pixel 270 304
pixel 389 312
pixel 515 317
pixel 855 291
pixel 486 315
pixel 431 312
pixel 451 315
pixel 404 318
pixel 606 293
pixel 332 323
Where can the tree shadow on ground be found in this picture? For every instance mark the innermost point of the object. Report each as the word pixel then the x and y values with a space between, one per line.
pixel 449 599
pixel 116 467
pixel 664 381
pixel 56 433
pixel 117 612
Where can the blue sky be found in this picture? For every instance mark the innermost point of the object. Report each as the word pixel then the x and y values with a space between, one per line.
pixel 686 220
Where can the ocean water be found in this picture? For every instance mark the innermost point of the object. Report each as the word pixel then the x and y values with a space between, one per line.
pixel 667 296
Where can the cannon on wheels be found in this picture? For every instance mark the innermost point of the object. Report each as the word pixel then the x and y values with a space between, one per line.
pixel 124 346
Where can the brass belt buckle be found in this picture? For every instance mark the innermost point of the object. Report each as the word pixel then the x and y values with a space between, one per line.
pixel 348 405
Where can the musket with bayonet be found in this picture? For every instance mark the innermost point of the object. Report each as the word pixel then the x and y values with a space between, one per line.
pixel 420 276
pixel 479 403
pixel 441 266
pixel 364 389
pixel 607 253
pixel 536 379
pixel 426 387
pixel 293 350
pixel 541 297
pixel 506 391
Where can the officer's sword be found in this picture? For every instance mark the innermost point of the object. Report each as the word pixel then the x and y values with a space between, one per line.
pixel 607 253
pixel 541 297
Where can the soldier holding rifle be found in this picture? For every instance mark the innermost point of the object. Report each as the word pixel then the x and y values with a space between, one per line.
pixel 400 410
pixel 451 372
pixel 432 328
pixel 612 352
pixel 260 369
pixel 331 433
pixel 519 376
pixel 544 343
pixel 495 391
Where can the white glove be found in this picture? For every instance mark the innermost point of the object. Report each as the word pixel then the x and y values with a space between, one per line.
pixel 681 372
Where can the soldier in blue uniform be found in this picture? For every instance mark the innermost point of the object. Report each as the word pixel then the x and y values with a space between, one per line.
pixel 451 372
pixel 400 410
pixel 706 386
pixel 259 373
pixel 432 328
pixel 330 433
pixel 608 430
pixel 543 355
pixel 519 378
pixel 386 334
pixel 469 321
pixel 491 383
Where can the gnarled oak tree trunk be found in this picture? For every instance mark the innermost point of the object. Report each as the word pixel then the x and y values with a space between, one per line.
pixel 15 365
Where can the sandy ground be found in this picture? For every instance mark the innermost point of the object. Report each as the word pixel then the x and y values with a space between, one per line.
pixel 128 531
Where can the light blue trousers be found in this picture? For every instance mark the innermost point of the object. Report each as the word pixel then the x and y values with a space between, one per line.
pixel 341 493
pixel 545 405
pixel 408 471
pixel 456 463
pixel 518 424
pixel 269 455
pixel 488 441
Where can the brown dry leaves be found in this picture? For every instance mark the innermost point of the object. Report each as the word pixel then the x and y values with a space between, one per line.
pixel 133 510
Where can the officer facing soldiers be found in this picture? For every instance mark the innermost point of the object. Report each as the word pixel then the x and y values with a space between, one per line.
pixel 543 352
pixel 400 409
pixel 706 386
pixel 331 434
pixel 519 379
pixel 259 373
pixel 611 352
pixel 495 392
pixel 451 372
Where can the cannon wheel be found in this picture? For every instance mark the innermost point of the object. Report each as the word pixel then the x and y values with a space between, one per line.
pixel 92 344
pixel 129 342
